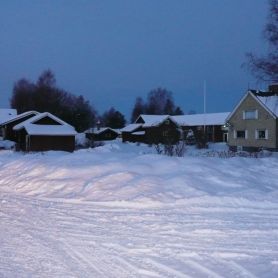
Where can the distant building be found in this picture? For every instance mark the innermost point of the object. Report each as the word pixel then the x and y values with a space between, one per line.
pixel 211 124
pixel 101 134
pixel 152 129
pixel 164 128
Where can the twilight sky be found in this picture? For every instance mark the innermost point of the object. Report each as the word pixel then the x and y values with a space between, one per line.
pixel 112 51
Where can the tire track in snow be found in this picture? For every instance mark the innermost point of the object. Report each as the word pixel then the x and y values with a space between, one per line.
pixel 166 269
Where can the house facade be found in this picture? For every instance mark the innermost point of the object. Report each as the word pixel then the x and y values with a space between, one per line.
pixel 253 124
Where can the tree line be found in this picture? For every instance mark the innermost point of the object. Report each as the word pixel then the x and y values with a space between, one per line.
pixel 45 96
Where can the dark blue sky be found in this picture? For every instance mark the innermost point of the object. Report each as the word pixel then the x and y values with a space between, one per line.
pixel 111 51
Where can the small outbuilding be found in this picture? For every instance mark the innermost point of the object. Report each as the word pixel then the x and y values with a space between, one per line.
pixel 101 134
pixel 44 132
pixel 152 129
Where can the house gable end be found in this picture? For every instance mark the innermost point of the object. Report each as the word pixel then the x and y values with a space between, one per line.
pixel 248 95
pixel 46 121
pixel 139 120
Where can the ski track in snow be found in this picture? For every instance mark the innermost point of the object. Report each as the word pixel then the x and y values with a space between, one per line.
pixel 81 240
pixel 200 225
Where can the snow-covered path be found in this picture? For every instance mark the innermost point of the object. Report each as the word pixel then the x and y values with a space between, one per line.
pixel 156 216
pixel 42 238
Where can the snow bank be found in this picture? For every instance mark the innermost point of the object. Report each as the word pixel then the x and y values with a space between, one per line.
pixel 120 172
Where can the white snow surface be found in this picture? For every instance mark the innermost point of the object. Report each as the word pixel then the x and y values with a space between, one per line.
pixel 54 130
pixel 121 210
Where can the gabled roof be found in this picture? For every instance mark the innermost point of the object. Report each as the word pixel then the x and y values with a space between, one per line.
pixel 201 119
pixel 62 128
pixel 268 100
pixel 20 116
pixel 154 120
pixel 39 116
pixel 95 130
pixel 131 127
pixel 53 130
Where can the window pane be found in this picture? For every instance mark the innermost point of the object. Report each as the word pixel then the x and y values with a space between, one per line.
pixel 240 134
pixel 261 134
pixel 251 114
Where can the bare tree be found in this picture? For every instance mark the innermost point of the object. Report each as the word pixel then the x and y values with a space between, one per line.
pixel 265 68
pixel 139 108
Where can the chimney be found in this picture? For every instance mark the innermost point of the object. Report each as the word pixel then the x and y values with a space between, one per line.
pixel 273 88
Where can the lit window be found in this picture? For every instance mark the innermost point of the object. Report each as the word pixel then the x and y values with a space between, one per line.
pixel 250 114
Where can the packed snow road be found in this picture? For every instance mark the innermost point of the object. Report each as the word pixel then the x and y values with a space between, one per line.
pixel 56 239
pixel 175 224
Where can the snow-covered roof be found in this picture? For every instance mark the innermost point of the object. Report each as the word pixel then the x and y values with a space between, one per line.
pixel 19 116
pixel 6 114
pixel 201 119
pixel 131 127
pixel 38 117
pixel 53 130
pixel 62 128
pixel 96 130
pixel 153 120
pixel 139 133
pixel 270 102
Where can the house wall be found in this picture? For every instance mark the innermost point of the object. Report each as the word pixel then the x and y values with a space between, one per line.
pixel 46 121
pixel 129 137
pixel 47 143
pixel 214 133
pixel 104 136
pixel 167 132
pixel 265 121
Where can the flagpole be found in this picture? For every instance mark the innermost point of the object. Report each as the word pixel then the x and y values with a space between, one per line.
pixel 205 108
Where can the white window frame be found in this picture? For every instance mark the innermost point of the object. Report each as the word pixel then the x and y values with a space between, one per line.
pixel 245 134
pixel 257 134
pixel 250 111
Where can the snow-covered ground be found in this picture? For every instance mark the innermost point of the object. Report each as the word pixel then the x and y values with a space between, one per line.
pixel 121 210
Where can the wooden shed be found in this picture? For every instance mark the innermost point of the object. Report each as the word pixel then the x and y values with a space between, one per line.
pixel 152 129
pixel 101 134
pixel 45 132
pixel 133 133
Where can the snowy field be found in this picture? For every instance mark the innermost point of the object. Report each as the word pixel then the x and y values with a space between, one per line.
pixel 121 210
